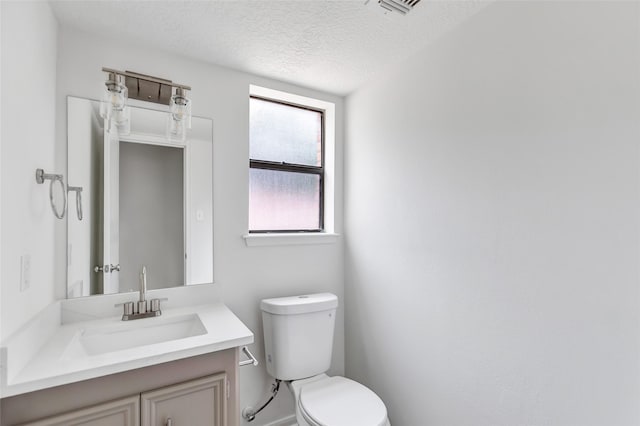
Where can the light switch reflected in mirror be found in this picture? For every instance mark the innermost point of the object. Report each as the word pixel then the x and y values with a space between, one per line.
pixel 147 201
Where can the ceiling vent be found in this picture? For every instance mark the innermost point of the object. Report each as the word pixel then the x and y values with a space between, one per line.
pixel 401 7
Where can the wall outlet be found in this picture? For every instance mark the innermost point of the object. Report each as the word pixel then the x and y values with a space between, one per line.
pixel 25 272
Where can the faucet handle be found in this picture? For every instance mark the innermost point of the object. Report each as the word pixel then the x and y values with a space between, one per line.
pixel 155 304
pixel 128 307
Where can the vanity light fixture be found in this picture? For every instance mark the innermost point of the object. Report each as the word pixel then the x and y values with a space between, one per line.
pixel 180 115
pixel 114 100
pixel 121 85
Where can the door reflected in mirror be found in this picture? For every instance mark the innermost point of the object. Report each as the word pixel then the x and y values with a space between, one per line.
pixel 147 201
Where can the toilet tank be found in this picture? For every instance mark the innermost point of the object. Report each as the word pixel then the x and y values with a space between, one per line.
pixel 298 334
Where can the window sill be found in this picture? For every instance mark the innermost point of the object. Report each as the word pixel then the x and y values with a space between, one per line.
pixel 257 240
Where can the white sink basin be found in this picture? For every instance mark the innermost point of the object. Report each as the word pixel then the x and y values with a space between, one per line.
pixel 50 352
pixel 131 334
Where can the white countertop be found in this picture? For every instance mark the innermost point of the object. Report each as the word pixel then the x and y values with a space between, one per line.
pixel 51 363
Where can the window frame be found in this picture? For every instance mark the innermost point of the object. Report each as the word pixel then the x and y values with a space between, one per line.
pixel 296 168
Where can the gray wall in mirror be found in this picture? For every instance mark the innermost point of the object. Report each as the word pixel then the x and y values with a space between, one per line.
pixel 151 214
pixel 147 201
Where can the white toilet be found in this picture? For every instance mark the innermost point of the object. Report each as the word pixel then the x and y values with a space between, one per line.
pixel 298 340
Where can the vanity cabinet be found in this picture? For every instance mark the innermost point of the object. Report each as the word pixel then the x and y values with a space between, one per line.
pixel 123 412
pixel 195 403
pixel 200 402
pixel 196 391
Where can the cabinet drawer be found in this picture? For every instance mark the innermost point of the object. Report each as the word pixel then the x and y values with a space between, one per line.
pixel 122 412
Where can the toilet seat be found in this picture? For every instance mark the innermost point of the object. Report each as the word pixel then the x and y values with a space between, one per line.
pixel 338 401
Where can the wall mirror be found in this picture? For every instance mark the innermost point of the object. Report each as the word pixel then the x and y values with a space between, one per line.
pixel 137 199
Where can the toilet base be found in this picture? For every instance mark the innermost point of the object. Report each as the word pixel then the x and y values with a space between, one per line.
pixel 296 386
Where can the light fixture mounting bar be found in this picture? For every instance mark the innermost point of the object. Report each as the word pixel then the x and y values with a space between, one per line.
pixel 146 87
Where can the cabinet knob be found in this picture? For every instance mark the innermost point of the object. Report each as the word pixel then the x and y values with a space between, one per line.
pixel 169 422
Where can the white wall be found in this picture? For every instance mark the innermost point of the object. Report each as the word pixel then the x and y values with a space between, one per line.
pixel 492 218
pixel 85 136
pixel 28 45
pixel 244 275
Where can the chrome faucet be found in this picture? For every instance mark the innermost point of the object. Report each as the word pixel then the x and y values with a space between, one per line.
pixel 142 303
pixel 141 309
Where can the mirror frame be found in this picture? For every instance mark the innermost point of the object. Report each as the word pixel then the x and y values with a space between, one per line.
pixel 148 127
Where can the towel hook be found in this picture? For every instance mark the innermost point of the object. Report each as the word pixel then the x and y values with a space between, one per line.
pixel 41 176
pixel 78 191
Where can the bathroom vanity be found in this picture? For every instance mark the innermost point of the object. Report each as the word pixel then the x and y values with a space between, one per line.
pixel 80 363
pixel 123 357
pixel 197 390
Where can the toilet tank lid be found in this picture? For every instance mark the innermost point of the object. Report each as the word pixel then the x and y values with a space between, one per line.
pixel 300 304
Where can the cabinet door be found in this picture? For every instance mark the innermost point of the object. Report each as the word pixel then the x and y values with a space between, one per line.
pixel 200 402
pixel 123 412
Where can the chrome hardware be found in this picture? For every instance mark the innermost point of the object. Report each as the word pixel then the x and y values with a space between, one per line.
pixel 128 308
pixel 41 176
pixel 169 422
pixel 145 87
pixel 105 269
pixel 142 303
pixel 252 359
pixel 78 191
pixel 142 308
pixel 143 284
pixel 138 310
pixel 155 304
pixel 249 413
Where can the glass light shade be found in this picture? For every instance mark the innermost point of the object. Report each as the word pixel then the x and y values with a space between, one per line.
pixel 179 115
pixel 176 130
pixel 122 120
pixel 114 97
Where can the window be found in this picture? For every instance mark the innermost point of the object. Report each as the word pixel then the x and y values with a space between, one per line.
pixel 287 170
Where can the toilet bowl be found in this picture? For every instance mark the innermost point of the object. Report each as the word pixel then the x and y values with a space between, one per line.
pixel 298 337
pixel 336 401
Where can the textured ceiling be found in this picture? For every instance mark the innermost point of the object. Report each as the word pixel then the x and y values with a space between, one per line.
pixel 333 46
